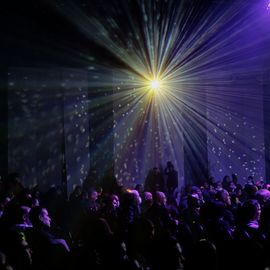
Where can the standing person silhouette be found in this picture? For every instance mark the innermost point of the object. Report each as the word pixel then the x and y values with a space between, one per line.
pixel 154 181
pixel 171 178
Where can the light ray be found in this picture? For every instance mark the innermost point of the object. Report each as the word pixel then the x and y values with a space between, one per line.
pixel 187 50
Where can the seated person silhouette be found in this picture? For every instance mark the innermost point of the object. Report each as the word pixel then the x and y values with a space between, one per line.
pixel 49 251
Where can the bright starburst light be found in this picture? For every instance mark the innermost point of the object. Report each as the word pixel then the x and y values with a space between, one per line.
pixel 155 84
pixel 198 50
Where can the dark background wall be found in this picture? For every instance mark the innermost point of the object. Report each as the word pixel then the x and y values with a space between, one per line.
pixel 266 106
pixel 57 118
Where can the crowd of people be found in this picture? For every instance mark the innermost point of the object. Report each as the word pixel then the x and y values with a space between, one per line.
pixel 154 226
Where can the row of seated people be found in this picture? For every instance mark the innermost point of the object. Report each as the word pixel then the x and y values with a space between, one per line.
pixel 202 228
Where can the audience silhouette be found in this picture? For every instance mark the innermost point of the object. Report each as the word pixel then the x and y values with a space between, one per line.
pixel 156 226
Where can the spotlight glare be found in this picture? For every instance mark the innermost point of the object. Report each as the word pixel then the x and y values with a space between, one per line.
pixel 155 84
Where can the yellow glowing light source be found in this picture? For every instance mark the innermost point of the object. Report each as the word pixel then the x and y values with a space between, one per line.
pixel 155 84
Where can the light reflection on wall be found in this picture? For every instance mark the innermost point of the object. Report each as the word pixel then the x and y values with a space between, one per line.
pixel 235 134
pixel 44 105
